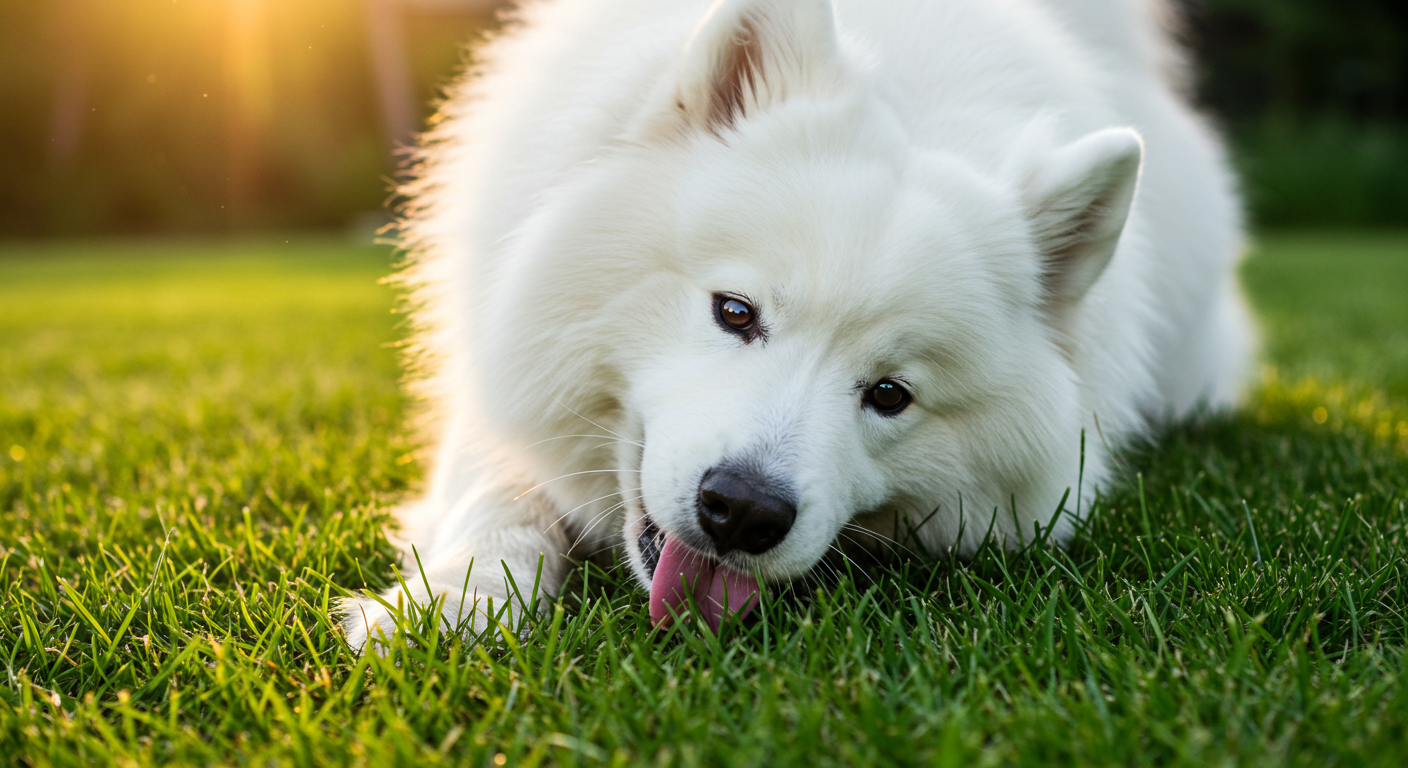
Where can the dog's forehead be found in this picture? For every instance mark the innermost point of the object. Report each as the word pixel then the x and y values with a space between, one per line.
pixel 844 241
pixel 854 201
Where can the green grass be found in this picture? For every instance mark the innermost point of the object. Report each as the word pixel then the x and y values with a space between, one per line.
pixel 1335 307
pixel 197 442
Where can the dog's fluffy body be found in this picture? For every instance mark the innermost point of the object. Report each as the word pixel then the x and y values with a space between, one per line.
pixel 935 192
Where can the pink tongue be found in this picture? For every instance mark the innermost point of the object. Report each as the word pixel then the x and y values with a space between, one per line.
pixel 717 590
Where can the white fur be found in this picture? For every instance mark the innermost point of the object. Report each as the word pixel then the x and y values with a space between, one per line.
pixel 939 191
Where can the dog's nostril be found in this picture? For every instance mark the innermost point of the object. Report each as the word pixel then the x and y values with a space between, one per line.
pixel 739 514
pixel 714 505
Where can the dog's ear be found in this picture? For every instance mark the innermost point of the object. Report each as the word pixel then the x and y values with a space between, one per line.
pixel 1078 201
pixel 749 54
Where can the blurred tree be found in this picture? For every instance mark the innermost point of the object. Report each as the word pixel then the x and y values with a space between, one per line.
pixel 392 62
pixel 202 115
pixel 1303 58
pixel 197 115
pixel 71 88
pixel 1312 93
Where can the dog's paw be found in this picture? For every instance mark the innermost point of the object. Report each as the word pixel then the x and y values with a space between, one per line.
pixel 369 624
pixel 365 621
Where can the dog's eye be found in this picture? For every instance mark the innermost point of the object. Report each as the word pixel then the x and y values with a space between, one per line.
pixel 735 313
pixel 887 397
pixel 737 316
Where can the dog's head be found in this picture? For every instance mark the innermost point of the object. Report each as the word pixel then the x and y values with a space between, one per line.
pixel 833 319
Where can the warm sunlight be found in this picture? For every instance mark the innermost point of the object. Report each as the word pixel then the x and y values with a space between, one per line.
pixel 249 83
pixel 236 112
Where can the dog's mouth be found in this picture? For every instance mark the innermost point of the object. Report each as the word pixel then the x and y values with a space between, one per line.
pixel 681 578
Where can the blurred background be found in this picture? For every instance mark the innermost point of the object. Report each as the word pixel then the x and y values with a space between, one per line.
pixel 206 116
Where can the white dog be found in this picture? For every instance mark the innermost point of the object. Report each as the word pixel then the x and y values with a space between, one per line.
pixel 728 284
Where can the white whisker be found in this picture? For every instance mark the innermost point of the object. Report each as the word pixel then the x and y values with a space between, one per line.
pixel 601 518
pixel 829 569
pixel 614 440
pixel 843 554
pixel 598 426
pixel 893 545
pixel 571 474
pixel 564 515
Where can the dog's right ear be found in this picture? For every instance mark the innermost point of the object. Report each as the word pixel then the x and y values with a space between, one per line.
pixel 748 55
pixel 1078 202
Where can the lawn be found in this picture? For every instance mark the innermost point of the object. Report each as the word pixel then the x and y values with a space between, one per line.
pixel 199 441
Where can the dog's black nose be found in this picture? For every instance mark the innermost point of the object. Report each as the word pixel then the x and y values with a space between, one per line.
pixel 739 514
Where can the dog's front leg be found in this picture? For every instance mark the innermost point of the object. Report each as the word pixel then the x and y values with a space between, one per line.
pixel 478 560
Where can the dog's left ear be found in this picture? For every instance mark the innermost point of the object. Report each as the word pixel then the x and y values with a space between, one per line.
pixel 1078 202
pixel 748 55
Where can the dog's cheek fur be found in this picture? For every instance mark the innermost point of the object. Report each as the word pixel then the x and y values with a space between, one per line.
pixel 993 471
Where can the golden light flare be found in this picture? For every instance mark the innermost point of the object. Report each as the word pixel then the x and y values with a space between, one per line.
pixel 249 85
pixel 247 72
pixel 236 113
